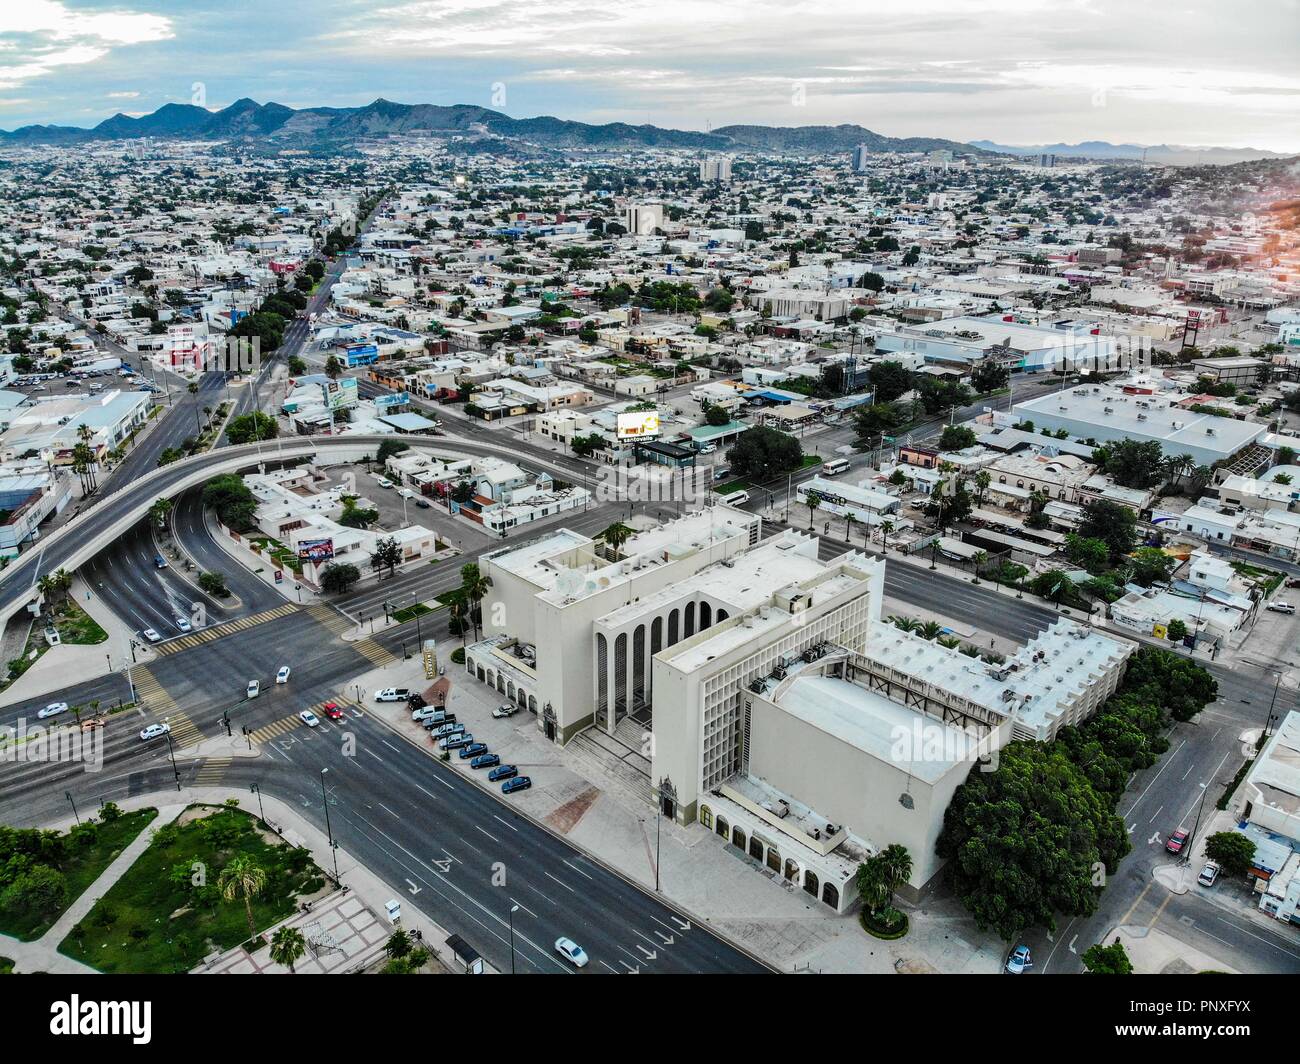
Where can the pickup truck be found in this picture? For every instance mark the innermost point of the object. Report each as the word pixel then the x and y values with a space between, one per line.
pixel 392 694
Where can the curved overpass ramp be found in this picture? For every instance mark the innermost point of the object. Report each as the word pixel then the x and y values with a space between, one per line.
pixel 90 532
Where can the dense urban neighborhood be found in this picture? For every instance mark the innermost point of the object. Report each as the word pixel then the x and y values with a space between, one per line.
pixel 495 546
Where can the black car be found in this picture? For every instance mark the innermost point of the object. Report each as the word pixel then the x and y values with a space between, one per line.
pixel 503 772
pixel 473 750
pixel 416 702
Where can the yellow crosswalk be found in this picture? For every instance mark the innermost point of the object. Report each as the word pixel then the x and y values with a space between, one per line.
pixel 287 724
pixel 367 648
pixel 212 771
pixel 218 631
pixel 184 732
pixel 150 692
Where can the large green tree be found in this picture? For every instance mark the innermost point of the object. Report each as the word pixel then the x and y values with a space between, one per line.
pixel 1028 840
pixel 763 453
pixel 1113 524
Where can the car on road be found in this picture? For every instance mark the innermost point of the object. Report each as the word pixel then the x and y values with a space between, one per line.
pixel 1176 841
pixel 383 482
pixel 503 772
pixel 516 783
pixel 332 710
pixel 455 741
pixel 151 635
pixel 52 709
pixel 159 562
pixel 309 718
pixel 1209 874
pixel 473 750
pixel 571 952
pixel 283 675
pixel 154 731
pixel 423 504
pixel 506 709
pixel 254 688
pixel 485 761
pixel 736 498
pixel 183 624
pixel 392 694
pixel 1280 607
pixel 1019 960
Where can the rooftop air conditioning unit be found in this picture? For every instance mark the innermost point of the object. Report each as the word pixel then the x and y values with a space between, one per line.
pixel 1142 417
pixel 1108 410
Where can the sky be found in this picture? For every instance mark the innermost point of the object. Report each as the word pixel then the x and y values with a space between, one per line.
pixel 1197 72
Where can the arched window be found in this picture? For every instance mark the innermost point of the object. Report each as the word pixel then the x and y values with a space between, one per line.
pixel 724 829
pixel 690 621
pixel 755 848
pixel 706 615
pixel 831 896
pixel 722 616
pixel 810 883
pixel 706 816
pixel 773 859
pixel 738 837
pixel 602 673
pixel 791 868
pixel 672 627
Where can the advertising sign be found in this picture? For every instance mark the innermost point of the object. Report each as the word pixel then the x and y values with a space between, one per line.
pixel 340 394
pixel 315 550
pixel 638 425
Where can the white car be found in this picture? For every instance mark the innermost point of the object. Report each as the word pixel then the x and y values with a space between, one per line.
pixel 506 709
pixel 1209 874
pixel 254 688
pixel 151 635
pixel 153 731
pixel 1018 961
pixel 383 482
pixel 52 709
pixel 184 625
pixel 571 952
pixel 309 718
pixel 283 675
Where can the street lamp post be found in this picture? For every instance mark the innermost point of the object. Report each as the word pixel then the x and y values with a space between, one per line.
pixel 328 830
pixel 171 749
pixel 76 816
pixel 513 909
pixel 261 813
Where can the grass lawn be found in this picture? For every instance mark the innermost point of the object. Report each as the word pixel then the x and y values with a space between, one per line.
pixel 156 918
pixel 411 612
pixel 75 625
pixel 81 864
pixel 739 484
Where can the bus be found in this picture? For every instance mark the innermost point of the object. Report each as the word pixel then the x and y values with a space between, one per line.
pixel 835 465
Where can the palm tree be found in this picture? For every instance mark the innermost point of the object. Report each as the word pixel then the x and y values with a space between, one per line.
pixel 615 536
pixel 849 522
pixel 287 945
pixel 931 630
pixel 982 481
pixel 475 586
pixel 242 879
pixel 905 624
pixel 896 868
pixel 812 500
pixel 1201 476
pixel 978 560
pixel 886 527
pixel 949 641
pixel 458 610
pixel 159 511
pixel 333 367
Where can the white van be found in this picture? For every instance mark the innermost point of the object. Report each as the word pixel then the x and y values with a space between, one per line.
pixel 835 465
pixel 406 493
pixel 736 498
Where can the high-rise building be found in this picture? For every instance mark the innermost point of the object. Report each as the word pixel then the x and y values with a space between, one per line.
pixel 642 219
pixel 861 158
pixel 716 168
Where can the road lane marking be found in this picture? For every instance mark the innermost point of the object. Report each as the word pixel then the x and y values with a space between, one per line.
pixel 559 881
pixel 492 837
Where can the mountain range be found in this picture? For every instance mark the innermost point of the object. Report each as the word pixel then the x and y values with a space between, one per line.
pixel 281 126
pixel 1163 154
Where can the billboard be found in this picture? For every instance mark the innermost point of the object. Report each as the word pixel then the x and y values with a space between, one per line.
pixel 340 394
pixel 315 550
pixel 638 425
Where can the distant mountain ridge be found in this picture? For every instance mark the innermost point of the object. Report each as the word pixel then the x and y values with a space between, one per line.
pixel 1165 154
pixel 247 120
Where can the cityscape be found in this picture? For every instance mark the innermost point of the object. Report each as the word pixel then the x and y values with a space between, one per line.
pixel 443 538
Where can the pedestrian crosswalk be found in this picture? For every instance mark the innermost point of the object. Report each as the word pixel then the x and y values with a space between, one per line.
pixel 368 648
pixel 150 692
pixel 217 631
pixel 287 724
pixel 212 771
pixel 184 731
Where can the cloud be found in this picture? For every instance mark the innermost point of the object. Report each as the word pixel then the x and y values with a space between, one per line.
pixel 39 37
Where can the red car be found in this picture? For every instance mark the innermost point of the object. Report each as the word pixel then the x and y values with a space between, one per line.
pixel 331 710
pixel 1176 841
